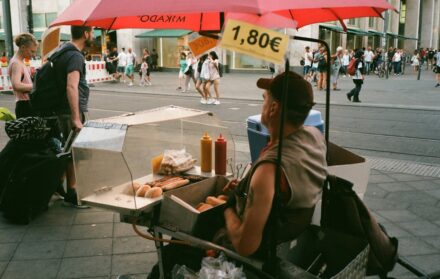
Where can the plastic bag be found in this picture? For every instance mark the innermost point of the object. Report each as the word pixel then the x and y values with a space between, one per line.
pixel 182 272
pixel 213 268
pixel 176 161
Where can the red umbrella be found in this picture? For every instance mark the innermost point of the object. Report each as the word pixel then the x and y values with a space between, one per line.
pixel 205 15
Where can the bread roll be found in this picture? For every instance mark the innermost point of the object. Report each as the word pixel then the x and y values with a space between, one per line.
pixel 203 207
pixel 142 190
pixel 136 186
pixel 214 201
pixel 154 192
pixel 223 197
pixel 175 184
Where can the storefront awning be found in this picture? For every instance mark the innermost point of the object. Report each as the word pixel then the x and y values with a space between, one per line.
pixel 97 32
pixel 63 36
pixel 164 33
pixel 332 28
pixel 357 32
pixel 400 37
pixel 375 33
pixel 392 34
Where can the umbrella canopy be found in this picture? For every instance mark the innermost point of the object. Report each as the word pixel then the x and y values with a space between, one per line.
pixel 199 15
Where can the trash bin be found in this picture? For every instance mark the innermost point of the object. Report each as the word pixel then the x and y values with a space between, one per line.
pixel 258 135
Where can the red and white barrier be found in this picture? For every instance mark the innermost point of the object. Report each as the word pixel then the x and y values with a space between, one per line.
pixel 96 72
pixel 5 81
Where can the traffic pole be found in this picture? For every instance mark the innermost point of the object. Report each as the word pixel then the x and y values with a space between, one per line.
pixel 8 28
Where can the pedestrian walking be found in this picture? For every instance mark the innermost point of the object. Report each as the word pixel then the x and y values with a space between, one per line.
pixel 189 72
pixel 144 68
pixel 20 75
pixel 272 69
pixel 345 62
pixel 437 68
pixel 149 59
pixel 322 60
pixel 336 67
pixel 108 62
pixel 308 60
pixel 113 57
pixel 397 62
pixel 182 67
pixel 214 78
pixel 431 54
pixel 368 58
pixel 358 78
pixel 131 63
pixel 154 59
pixel 203 77
pixel 122 63
pixel 415 61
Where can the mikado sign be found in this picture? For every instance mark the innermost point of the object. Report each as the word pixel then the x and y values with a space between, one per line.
pixel 255 41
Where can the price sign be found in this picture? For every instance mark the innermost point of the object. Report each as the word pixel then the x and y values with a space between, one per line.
pixel 255 41
pixel 201 45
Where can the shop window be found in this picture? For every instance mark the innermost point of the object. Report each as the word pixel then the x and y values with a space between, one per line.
pixel 358 40
pixel 50 17
pixel 39 20
pixel 353 22
pixel 170 53
pixel 247 62
pixel 350 41
pixel 372 22
pixel 326 35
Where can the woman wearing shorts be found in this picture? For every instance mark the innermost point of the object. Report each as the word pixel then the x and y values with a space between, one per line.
pixel 214 78
pixel 202 77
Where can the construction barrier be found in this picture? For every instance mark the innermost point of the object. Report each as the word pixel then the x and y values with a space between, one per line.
pixel 96 72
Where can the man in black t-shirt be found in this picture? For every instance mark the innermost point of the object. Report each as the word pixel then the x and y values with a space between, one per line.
pixel 70 75
pixel 431 54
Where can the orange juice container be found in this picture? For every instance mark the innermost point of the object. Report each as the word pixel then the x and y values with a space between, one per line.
pixel 206 153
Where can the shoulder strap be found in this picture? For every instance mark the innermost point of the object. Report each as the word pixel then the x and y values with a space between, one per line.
pixel 61 51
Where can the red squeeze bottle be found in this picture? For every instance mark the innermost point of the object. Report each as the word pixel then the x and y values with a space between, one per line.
pixel 220 156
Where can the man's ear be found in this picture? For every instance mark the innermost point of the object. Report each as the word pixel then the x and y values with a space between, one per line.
pixel 274 109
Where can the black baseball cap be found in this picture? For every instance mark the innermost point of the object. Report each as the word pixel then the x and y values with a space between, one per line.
pixel 299 95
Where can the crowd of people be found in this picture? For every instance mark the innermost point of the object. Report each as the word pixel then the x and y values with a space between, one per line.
pixel 364 62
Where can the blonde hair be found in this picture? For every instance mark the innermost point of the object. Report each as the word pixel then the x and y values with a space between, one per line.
pixel 25 39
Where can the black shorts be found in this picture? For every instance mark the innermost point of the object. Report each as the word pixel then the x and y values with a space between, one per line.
pixel 437 70
pixel 23 109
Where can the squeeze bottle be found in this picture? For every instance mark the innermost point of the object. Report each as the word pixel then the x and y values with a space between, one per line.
pixel 220 155
pixel 206 153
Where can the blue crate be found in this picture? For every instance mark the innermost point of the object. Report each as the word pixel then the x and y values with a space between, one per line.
pixel 258 135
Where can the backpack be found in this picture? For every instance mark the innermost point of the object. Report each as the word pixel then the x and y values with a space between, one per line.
pixel 351 69
pixel 45 95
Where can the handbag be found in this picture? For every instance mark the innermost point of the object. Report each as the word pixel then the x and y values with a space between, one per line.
pixel 189 71
pixel 344 211
pixel 27 128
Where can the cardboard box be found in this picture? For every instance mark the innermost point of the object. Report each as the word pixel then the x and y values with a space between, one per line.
pixel 174 216
pixel 349 166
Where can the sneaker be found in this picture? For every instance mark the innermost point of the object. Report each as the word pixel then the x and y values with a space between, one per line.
pixel 203 101
pixel 179 88
pixel 216 102
pixel 183 91
pixel 210 101
pixel 349 96
pixel 71 200
pixel 437 85
pixel 130 84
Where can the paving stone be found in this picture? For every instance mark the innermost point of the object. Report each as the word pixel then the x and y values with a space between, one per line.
pixel 35 269
pixel 412 198
pixel 398 215
pixel 383 204
pixel 94 217
pixel 116 218
pixel 379 218
pixel 394 230
pixel 14 234
pixel 409 177
pixel 420 228
pixel 400 272
pixel 88 247
pixel 433 240
pixel 428 263
pixel 132 244
pixel 53 219
pixel 425 184
pixel 372 171
pixel 40 233
pixel 3 266
pixel 5 224
pixel 380 178
pixel 376 192
pixel 85 267
pixel 124 229
pixel 431 213
pixel 435 193
pixel 409 246
pixel 40 250
pixel 395 186
pixel 133 263
pixel 7 251
pixel 91 231
pixel 132 276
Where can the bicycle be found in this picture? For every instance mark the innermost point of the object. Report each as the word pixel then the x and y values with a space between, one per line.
pixel 380 70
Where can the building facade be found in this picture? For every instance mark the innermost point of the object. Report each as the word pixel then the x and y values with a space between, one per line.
pixel 416 18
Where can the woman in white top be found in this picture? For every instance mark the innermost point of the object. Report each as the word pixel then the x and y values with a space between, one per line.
pixel 203 77
pixel 345 62
pixel 415 61
pixel 397 61
pixel 214 78
pixel 189 72
pixel 20 75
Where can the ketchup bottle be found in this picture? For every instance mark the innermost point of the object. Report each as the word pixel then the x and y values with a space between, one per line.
pixel 206 153
pixel 220 155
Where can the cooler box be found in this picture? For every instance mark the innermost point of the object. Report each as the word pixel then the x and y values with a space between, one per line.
pixel 258 135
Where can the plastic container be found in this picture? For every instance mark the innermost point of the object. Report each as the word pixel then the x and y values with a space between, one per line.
pixel 258 135
pixel 220 155
pixel 206 153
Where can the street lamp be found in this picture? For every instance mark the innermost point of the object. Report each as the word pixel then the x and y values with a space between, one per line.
pixel 30 17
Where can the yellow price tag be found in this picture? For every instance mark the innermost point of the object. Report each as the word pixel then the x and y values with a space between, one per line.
pixel 255 41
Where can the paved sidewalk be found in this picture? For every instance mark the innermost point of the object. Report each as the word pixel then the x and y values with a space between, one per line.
pixel 398 91
pixel 70 243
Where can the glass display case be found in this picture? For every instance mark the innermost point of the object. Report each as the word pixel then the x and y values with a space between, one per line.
pixel 111 155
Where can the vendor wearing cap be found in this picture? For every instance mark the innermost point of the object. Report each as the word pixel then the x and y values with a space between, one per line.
pixel 304 170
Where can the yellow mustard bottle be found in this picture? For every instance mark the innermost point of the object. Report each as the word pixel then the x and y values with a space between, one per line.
pixel 206 153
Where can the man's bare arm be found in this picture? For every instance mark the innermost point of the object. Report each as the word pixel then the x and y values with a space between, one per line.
pixel 73 97
pixel 246 236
